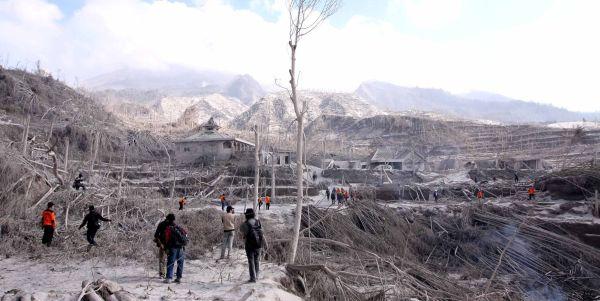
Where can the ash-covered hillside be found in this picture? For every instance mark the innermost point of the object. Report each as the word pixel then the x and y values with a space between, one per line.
pixel 477 105
pixel 277 110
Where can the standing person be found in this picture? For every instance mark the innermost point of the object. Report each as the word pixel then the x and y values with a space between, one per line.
pixel 480 195
pixel 159 239
pixel 92 219
pixel 260 203
pixel 176 240
pixel 48 223
pixel 516 178
pixel 346 196
pixel 531 193
pixel 327 192
pixel 182 202
pixel 435 195
pixel 228 220
pixel 268 202
pixel 223 201
pixel 252 232
pixel 333 196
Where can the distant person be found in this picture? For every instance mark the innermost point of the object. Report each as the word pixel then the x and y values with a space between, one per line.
pixel 92 219
pixel 436 195
pixel 48 223
pixel 332 196
pixel 175 240
pixel 327 192
pixel 267 202
pixel 159 239
pixel 531 193
pixel 314 176
pixel 251 230
pixel 228 220
pixel 223 201
pixel 516 178
pixel 78 182
pixel 480 194
pixel 182 202
pixel 260 203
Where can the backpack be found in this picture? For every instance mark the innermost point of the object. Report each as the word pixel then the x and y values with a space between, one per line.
pixel 254 236
pixel 175 236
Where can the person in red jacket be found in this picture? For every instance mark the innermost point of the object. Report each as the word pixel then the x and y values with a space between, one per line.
pixel 48 223
pixel 480 195
pixel 531 193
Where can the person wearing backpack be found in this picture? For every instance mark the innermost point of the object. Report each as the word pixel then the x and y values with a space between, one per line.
pixel 92 219
pixel 252 232
pixel 175 240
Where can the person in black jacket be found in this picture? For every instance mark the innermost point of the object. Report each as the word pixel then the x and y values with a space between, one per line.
pixel 159 239
pixel 92 219
pixel 253 242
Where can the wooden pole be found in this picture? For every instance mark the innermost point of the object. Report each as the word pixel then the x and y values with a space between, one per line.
pixel 67 142
pixel 256 167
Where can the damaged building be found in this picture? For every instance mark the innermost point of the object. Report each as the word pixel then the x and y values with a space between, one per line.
pixel 405 159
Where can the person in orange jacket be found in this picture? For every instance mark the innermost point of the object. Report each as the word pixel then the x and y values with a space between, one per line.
pixel 267 202
pixel 48 223
pixel 223 201
pixel 260 203
pixel 531 193
pixel 480 194
pixel 182 202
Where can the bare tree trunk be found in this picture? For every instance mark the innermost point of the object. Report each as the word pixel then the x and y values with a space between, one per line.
pixel 26 133
pixel 273 176
pixel 67 142
pixel 256 167
pixel 95 145
pixel 122 172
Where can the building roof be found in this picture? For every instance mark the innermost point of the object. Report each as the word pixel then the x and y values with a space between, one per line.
pixel 210 135
pixel 393 154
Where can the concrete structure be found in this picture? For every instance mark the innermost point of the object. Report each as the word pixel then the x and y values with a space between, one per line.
pixel 398 158
pixel 209 145
pixel 531 163
pixel 345 164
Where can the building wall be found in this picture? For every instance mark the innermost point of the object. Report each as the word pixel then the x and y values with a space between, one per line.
pixel 190 152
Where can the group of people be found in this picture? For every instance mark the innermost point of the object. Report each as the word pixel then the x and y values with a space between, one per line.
pixel 338 194
pixel 91 221
pixel 266 200
pixel 171 240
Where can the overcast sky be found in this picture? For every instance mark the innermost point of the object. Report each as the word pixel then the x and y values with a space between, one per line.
pixel 540 50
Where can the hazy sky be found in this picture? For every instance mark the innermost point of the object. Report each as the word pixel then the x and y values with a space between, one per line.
pixel 541 50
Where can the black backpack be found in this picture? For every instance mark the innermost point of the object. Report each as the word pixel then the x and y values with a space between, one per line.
pixel 177 236
pixel 254 236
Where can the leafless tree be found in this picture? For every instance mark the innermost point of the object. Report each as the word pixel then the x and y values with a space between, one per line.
pixel 256 166
pixel 305 16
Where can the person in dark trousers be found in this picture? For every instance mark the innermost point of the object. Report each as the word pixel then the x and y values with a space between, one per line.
pixel 48 223
pixel 332 196
pixel 182 202
pixel 251 231
pixel 531 193
pixel 159 239
pixel 223 201
pixel 92 219
pixel 78 182
pixel 436 195
pixel 267 202
pixel 327 192
pixel 516 178
pixel 175 240
pixel 260 203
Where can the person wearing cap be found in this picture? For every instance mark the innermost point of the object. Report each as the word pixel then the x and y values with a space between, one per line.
pixel 228 220
pixel 251 231
pixel 92 219
pixel 48 223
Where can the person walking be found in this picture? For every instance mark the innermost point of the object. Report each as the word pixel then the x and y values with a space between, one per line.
pixel 531 193
pixel 48 223
pixel 436 195
pixel 251 230
pixel 223 201
pixel 516 178
pixel 159 239
pixel 182 202
pixel 175 240
pixel 92 220
pixel 327 192
pixel 260 203
pixel 228 220
pixel 480 195
pixel 268 202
